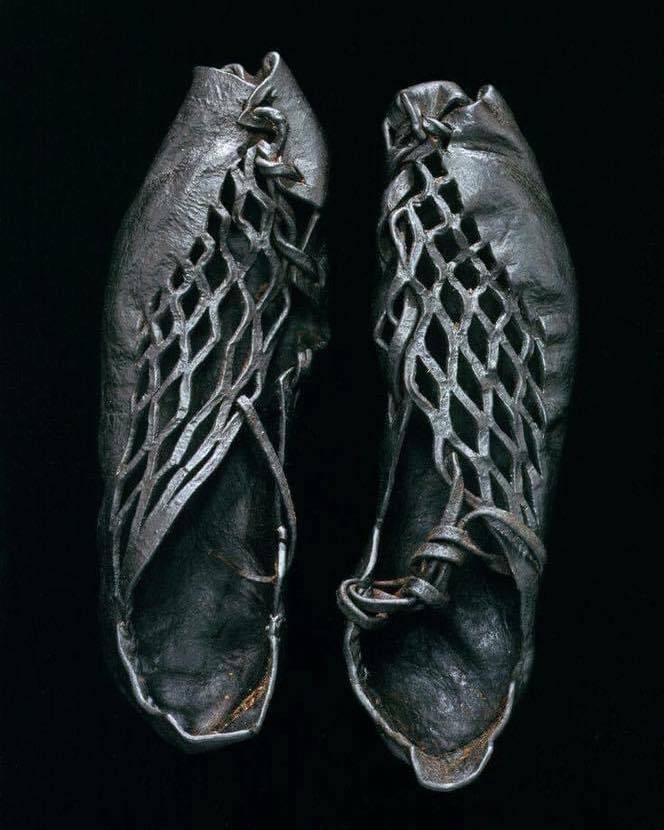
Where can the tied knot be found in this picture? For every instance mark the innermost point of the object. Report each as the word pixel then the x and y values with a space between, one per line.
pixel 303 271
pixel 370 603
pixel 259 115
pixel 422 126
pixel 412 129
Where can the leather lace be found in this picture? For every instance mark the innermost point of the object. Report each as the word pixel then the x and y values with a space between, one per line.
pixel 370 603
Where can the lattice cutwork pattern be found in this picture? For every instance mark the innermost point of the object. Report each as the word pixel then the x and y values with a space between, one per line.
pixel 207 338
pixel 457 339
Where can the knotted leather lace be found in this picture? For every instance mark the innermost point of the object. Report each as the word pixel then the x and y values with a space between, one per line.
pixel 370 603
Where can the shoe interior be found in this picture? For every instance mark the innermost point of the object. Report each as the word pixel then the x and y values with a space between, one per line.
pixel 439 677
pixel 199 623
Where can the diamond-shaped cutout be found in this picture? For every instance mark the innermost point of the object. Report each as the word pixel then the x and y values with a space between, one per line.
pixel 197 250
pixel 467 275
pixel 239 244
pixel 502 416
pixel 403 228
pixel 452 301
pixel 503 281
pixel 506 371
pixel 169 401
pixel 533 406
pixel 168 359
pixel 399 302
pixel 231 312
pixel 500 455
pixel 463 423
pixel 215 270
pixel 165 322
pixel 434 164
pixel 446 244
pixel 253 211
pixel 427 213
pixel 469 229
pixel 385 247
pixel 426 272
pixel 498 496
pixel 468 381
pixel 214 225
pixel 514 334
pixel 450 192
pixel 435 341
pixel 470 478
pixel 536 365
pixel 486 255
pixel 385 331
pixel 426 384
pixel 189 300
pixel 491 304
pixel 177 278
pixel 143 381
pixel 227 193
pixel 478 340
pixel 200 335
pixel 522 308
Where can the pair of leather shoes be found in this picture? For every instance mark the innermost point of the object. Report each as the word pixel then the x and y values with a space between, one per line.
pixel 214 309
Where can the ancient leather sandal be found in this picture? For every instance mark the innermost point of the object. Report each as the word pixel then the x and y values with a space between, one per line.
pixel 475 328
pixel 212 316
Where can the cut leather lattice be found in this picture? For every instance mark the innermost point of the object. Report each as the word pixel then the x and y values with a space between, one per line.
pixel 457 339
pixel 207 338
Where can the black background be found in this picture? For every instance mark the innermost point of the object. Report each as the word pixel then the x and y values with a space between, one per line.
pixel 88 93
